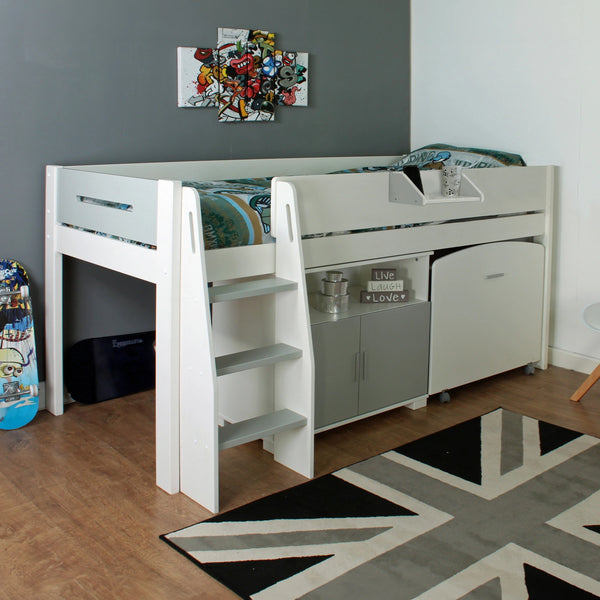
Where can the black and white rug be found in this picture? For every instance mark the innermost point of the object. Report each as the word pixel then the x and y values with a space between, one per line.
pixel 499 507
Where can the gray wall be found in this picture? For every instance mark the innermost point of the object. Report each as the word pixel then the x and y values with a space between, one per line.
pixel 88 81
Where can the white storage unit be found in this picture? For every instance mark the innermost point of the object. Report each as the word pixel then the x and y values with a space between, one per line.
pixel 487 312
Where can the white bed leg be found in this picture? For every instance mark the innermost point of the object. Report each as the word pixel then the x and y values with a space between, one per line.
pixel 546 240
pixel 167 337
pixel 53 302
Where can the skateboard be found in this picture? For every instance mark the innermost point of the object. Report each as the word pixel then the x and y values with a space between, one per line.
pixel 18 363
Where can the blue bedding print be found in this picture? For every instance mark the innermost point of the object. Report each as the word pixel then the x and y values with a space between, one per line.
pixel 237 212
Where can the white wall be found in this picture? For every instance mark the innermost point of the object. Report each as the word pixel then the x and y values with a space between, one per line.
pixel 522 76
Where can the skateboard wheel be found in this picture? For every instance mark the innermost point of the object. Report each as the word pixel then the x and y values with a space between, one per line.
pixel 24 291
pixel 34 390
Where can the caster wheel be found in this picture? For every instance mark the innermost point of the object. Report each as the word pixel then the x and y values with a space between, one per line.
pixel 445 397
pixel 529 369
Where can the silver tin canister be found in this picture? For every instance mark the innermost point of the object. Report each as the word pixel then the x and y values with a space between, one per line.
pixel 333 304
pixel 334 275
pixel 334 288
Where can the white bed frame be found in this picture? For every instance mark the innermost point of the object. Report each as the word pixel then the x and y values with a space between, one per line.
pixel 497 204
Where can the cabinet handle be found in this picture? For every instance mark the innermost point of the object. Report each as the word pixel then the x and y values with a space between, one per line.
pixel 356 366
pixel 493 276
pixel 364 365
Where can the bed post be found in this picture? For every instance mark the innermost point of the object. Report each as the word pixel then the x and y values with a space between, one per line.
pixel 53 301
pixel 167 335
pixel 294 380
pixel 546 240
pixel 198 392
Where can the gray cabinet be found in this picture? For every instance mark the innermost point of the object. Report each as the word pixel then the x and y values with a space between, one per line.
pixel 336 351
pixel 365 363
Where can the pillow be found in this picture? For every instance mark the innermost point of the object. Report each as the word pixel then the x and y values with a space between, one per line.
pixel 435 156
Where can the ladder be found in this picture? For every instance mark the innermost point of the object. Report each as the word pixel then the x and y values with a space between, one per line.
pixel 290 419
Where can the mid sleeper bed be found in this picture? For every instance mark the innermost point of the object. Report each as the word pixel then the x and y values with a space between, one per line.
pixel 241 351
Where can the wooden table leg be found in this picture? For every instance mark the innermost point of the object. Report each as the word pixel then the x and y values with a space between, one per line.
pixel 586 385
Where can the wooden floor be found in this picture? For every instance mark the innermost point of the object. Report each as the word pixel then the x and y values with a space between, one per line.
pixel 80 515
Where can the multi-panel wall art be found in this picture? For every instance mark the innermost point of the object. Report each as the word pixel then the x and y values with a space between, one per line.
pixel 245 77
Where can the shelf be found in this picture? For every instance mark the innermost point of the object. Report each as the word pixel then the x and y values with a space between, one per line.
pixel 256 428
pixel 248 289
pixel 257 357
pixel 355 307
pixel 403 191
pixel 374 261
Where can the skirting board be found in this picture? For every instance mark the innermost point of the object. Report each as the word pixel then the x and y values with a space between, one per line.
pixel 571 360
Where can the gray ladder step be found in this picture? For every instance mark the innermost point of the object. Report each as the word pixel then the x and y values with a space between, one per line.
pixel 247 289
pixel 256 428
pixel 257 357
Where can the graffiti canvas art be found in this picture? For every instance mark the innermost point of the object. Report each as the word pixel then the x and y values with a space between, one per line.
pixel 244 78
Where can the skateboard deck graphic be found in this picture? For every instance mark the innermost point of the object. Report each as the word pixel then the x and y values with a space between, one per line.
pixel 18 361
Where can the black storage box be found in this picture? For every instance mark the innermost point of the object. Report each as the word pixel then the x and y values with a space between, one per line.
pixel 99 369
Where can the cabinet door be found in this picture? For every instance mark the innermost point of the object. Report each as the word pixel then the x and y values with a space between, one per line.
pixel 394 356
pixel 336 370
pixel 486 312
